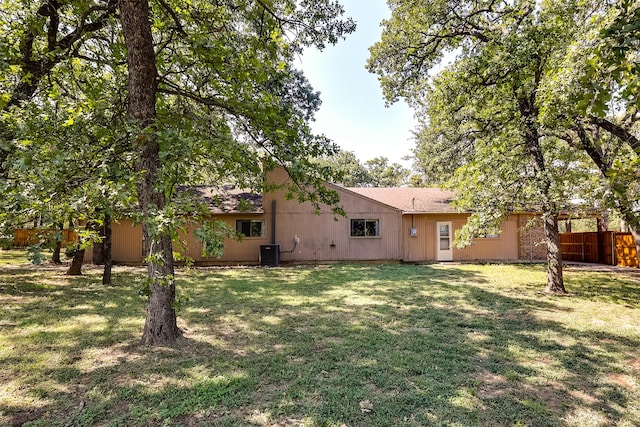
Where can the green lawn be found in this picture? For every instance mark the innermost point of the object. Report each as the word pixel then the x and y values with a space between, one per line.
pixel 13 257
pixel 353 345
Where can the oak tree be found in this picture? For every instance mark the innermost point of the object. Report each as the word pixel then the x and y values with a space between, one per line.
pixel 211 91
pixel 591 98
pixel 481 111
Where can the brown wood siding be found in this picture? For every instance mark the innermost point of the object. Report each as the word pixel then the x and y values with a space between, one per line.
pixel 246 251
pixel 422 247
pixel 126 244
pixel 187 244
pixel 325 236
pixel 504 247
pixel 324 239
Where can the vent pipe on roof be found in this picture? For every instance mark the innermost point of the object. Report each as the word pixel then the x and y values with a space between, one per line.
pixel 273 222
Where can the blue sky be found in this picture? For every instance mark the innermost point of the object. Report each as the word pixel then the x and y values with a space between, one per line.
pixel 353 112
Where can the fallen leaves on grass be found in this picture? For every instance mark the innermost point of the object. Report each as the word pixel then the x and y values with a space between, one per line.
pixel 366 406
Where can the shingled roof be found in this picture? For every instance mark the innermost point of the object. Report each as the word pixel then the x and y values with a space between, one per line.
pixel 227 199
pixel 411 200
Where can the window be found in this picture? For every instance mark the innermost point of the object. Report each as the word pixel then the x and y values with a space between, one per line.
pixel 249 227
pixel 365 228
pixel 445 236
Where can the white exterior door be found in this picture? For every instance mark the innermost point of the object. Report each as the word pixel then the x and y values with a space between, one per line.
pixel 444 251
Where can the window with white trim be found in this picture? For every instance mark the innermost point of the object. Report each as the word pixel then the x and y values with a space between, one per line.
pixel 365 228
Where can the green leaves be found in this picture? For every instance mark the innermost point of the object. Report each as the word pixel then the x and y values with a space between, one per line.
pixel 212 235
pixel 499 118
pixel 230 101
pixel 418 36
pixel 376 172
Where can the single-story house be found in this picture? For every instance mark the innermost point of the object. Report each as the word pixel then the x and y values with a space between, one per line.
pixel 381 224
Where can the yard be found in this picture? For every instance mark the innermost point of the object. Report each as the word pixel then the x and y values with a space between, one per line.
pixel 344 344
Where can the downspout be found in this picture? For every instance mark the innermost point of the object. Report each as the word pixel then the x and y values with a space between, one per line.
pixel 273 222
pixel 401 242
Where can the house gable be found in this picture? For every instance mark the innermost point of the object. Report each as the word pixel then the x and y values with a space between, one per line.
pixel 325 236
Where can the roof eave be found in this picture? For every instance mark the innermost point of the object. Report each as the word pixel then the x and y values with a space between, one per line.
pixel 432 212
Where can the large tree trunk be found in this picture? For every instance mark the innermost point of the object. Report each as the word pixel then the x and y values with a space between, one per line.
pixel 96 247
pixel 555 280
pixel 160 325
pixel 75 268
pixel 106 250
pixel 55 257
pixel 97 251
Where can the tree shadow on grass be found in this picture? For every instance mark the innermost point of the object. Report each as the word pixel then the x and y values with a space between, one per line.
pixel 462 354
pixel 359 345
pixel 615 287
pixel 543 372
pixel 49 323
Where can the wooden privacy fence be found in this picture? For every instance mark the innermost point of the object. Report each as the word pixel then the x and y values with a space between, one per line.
pixel 30 236
pixel 606 247
pixel 626 251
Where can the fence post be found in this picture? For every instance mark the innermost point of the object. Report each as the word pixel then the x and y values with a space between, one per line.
pixel 582 243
